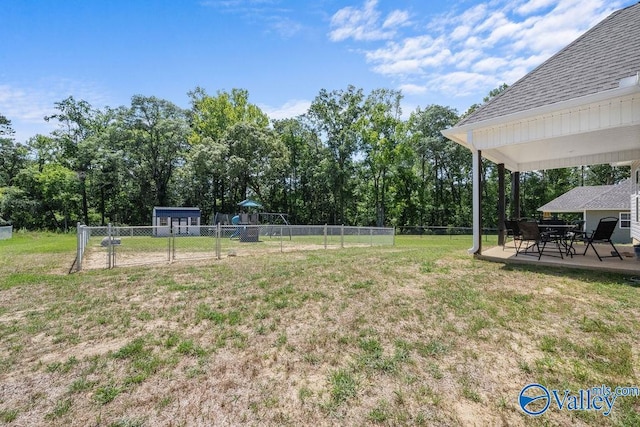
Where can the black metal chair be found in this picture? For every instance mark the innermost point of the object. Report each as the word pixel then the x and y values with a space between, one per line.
pixel 513 230
pixel 602 234
pixel 532 235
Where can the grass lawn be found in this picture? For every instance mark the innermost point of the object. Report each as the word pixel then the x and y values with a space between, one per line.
pixel 415 334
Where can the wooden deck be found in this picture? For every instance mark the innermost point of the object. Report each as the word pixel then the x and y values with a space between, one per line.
pixel 628 265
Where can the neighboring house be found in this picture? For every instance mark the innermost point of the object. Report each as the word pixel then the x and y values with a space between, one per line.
pixel 579 107
pixel 180 220
pixel 596 202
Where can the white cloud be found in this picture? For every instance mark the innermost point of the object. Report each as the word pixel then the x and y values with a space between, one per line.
pixel 473 50
pixel 461 32
pixel 413 89
pixel 24 104
pixel 396 18
pixel 27 105
pixel 462 83
pixel 365 24
pixel 291 108
pixel 275 18
pixel 284 26
pixel 475 15
pixel 533 6
pixel 463 59
pixel 490 64
pixel 410 56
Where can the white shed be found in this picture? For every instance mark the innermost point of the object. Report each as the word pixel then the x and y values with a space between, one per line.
pixel 180 220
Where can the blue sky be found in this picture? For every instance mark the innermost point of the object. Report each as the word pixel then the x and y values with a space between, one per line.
pixel 282 51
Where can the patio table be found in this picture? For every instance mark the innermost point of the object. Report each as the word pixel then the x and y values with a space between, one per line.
pixel 562 233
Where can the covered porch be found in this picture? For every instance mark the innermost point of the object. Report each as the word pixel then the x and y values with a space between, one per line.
pixel 580 107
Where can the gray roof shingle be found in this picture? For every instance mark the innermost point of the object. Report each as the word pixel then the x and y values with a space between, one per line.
pixel 593 63
pixel 598 197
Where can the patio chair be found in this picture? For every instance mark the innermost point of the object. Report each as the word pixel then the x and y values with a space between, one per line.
pixel 602 234
pixel 534 238
pixel 513 231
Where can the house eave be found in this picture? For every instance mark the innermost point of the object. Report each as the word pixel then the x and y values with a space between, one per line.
pixel 455 133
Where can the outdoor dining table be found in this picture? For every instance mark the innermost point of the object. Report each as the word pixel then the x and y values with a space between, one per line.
pixel 562 233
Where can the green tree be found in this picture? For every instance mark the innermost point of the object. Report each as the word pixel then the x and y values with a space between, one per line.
pixel 78 122
pixel 202 178
pixel 336 116
pixel 605 174
pixel 212 118
pixel 59 192
pixel 443 168
pixel 155 140
pixel 256 160
pixel 307 194
pixel 13 156
pixel 380 124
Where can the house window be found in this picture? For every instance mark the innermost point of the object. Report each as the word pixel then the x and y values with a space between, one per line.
pixel 625 219
pixel 194 221
pixel 164 221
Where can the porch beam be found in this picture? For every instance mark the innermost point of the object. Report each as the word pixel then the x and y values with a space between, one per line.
pixel 515 195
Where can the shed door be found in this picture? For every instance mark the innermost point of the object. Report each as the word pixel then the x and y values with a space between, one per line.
pixel 176 226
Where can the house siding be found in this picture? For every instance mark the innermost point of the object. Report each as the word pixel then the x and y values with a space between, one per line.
pixel 620 235
pixel 635 201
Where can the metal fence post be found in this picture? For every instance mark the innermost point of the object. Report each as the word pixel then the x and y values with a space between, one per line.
pixel 218 242
pixel 79 248
pixel 370 236
pixel 325 236
pixel 281 244
pixel 172 245
pixel 114 251
pixel 109 245
pixel 342 236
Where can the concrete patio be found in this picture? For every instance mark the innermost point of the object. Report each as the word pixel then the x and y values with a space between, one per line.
pixel 628 265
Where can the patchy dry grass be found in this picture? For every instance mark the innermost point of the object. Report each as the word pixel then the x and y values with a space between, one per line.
pixel 416 334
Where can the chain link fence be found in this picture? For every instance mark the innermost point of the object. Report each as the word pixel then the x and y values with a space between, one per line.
pixel 436 230
pixel 111 246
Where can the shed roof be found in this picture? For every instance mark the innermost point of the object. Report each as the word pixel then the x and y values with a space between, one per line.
pixel 176 212
pixel 592 198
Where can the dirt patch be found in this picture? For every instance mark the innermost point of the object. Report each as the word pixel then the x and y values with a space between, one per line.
pixel 85 349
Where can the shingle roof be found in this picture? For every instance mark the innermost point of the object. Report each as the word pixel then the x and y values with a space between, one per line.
pixel 599 197
pixel 593 63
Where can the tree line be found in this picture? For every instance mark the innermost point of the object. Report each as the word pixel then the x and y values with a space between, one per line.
pixel 350 159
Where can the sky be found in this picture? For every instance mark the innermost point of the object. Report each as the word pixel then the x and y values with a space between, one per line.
pixel 283 52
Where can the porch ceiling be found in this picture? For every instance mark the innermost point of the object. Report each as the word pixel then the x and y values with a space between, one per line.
pixel 595 147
